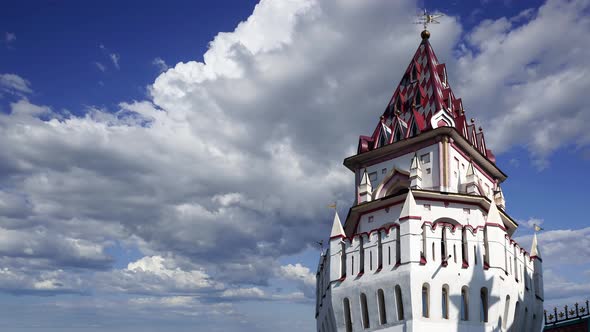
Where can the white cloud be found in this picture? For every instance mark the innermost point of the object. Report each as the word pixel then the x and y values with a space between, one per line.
pixel 161 64
pixel 115 59
pixel 100 66
pixel 14 84
pixel 531 222
pixel 9 37
pixel 564 246
pixel 301 275
pixel 159 276
pixel 513 78
pixel 231 162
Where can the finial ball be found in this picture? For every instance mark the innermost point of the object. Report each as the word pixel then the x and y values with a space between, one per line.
pixel 425 34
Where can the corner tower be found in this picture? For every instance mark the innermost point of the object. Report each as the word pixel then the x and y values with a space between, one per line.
pixel 428 243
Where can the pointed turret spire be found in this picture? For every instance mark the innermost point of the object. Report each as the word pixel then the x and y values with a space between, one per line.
pixel 410 209
pixel 535 247
pixel 415 173
pixel 494 215
pixel 365 188
pixel 337 230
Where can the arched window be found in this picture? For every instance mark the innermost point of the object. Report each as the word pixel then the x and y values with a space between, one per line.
pixel 399 302
pixel 381 302
pixel 347 316
pixel 506 311
pixel 483 308
pixel 464 303
pixel 425 301
pixel 364 311
pixel 445 302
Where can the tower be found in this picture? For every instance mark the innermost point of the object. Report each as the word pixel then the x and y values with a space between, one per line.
pixel 427 243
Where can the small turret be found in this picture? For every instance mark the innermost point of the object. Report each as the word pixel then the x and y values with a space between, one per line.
pixel 535 248
pixel 415 173
pixel 499 198
pixel 538 269
pixel 471 180
pixel 337 230
pixel 337 255
pixel 365 189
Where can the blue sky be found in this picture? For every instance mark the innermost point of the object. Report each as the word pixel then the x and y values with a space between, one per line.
pixel 169 164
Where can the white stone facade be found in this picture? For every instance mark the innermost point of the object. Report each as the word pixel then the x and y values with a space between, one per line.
pixel 449 249
pixel 427 244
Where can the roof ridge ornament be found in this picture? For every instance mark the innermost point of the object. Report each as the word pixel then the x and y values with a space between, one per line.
pixel 425 19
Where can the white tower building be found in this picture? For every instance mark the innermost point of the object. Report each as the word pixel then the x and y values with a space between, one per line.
pixel 428 244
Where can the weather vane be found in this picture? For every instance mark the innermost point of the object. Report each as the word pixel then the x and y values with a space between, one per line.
pixel 426 19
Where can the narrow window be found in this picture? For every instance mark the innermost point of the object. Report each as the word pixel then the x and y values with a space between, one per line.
pixel 455 253
pixel 433 256
pixel 398 247
pixel 364 311
pixel 484 305
pixel 445 302
pixel 425 301
pixel 379 252
pixel 506 311
pixel 399 302
pixel 382 313
pixel 423 253
pixel 486 247
pixel 464 303
pixel 347 316
pixel 352 266
pixel 370 260
pixel 474 255
pixel 388 255
pixel 343 261
pixel 362 256
pixel 443 246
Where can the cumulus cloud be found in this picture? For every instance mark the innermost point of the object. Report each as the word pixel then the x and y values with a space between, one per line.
pixel 301 275
pixel 14 84
pixel 514 79
pixel 156 275
pixel 160 64
pixel 231 161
